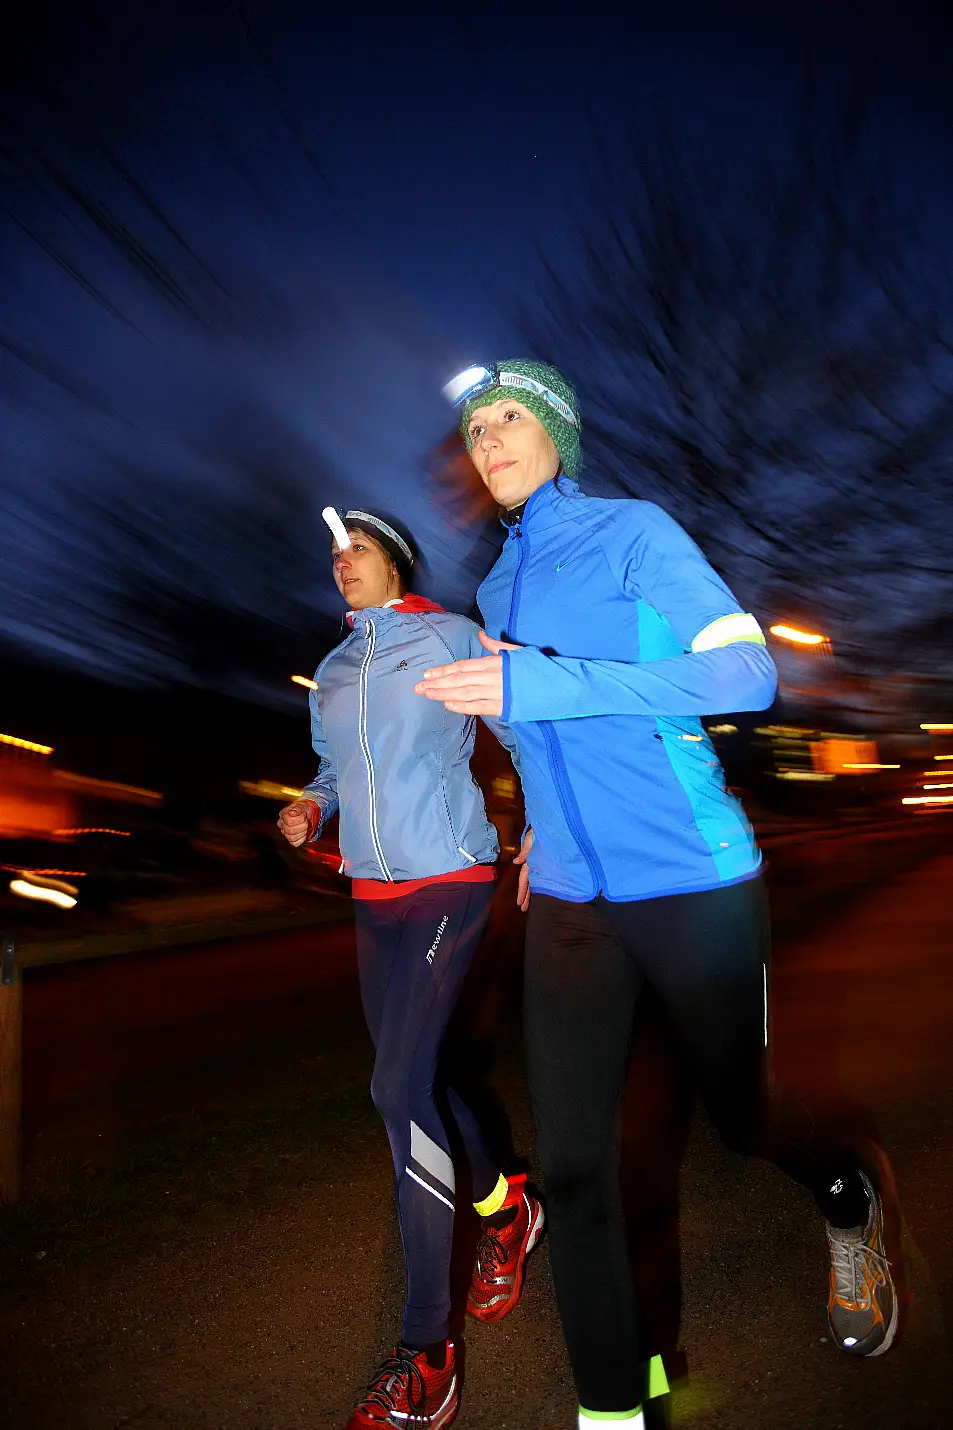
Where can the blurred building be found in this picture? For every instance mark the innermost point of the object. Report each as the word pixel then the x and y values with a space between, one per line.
pixel 32 802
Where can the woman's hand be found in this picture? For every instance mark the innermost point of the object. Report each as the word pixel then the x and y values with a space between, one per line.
pixel 469 687
pixel 294 821
pixel 522 892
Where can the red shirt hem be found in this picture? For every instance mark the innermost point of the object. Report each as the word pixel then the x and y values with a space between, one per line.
pixel 381 889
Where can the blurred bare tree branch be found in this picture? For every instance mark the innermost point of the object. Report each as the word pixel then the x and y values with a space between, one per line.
pixel 174 580
pixel 771 362
pixel 84 156
pixel 160 575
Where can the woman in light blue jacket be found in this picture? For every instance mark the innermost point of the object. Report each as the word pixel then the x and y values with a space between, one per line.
pixel 421 852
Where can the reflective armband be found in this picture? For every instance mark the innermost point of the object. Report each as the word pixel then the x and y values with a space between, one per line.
pixel 726 630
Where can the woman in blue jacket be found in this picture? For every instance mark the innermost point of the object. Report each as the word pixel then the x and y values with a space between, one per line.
pixel 421 852
pixel 610 636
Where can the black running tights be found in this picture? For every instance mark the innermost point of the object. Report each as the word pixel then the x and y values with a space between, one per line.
pixel 706 955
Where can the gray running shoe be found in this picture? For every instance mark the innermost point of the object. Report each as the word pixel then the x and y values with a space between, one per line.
pixel 862 1308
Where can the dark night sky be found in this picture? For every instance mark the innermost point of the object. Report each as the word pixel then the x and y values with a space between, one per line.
pixel 370 185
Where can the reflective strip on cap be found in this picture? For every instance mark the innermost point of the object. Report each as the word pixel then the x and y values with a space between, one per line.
pixel 529 384
pixel 726 630
pixel 355 515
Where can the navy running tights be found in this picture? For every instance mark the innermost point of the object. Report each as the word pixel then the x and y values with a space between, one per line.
pixel 413 954
pixel 706 956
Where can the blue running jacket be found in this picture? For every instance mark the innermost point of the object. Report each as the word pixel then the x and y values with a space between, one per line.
pixel 628 636
pixel 397 764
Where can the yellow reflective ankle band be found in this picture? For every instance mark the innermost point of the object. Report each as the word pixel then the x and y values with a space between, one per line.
pixel 658 1380
pixel 657 1384
pixel 495 1200
pixel 632 1418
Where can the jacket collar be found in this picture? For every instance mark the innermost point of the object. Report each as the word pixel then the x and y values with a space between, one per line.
pixel 548 505
pixel 410 605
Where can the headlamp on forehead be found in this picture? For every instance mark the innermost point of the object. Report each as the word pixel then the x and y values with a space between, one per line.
pixel 474 380
pixel 338 529
pixel 364 519
pixel 469 383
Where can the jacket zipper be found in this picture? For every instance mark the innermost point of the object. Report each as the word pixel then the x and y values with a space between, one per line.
pixel 446 810
pixel 510 632
pixel 370 636
pixel 557 764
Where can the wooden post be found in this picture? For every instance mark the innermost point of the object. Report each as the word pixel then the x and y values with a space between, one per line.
pixel 11 1064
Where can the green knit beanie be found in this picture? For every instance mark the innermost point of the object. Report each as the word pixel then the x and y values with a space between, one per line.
pixel 562 429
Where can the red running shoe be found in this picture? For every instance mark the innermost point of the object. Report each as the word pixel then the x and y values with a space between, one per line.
pixel 408 1392
pixel 501 1257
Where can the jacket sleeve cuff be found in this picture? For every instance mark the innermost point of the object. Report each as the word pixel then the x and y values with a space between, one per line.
pixel 315 820
pixel 507 689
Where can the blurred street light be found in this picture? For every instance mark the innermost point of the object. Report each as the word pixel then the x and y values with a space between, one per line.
pixel 928 799
pixel 871 767
pixel 26 745
pixel 108 789
pixel 44 893
pixel 45 873
pixel 303 680
pixel 796 637
pixel 936 725
pixel 268 789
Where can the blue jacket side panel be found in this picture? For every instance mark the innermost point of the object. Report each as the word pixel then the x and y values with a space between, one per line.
pixel 622 785
pixel 718 815
pixel 398 764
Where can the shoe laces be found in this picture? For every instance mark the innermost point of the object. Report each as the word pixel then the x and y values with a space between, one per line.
pixel 856 1264
pixel 399 1370
pixel 491 1253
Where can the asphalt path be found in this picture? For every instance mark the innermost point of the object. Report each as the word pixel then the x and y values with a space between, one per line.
pixel 270 1307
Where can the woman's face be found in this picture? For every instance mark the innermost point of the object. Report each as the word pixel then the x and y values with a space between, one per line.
pixel 364 573
pixel 512 451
